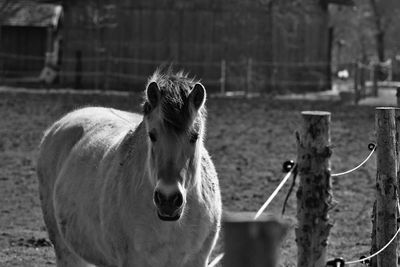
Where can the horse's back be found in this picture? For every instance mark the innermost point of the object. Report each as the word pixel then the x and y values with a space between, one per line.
pixel 89 123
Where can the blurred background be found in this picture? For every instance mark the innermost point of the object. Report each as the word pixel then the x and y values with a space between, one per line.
pixel 260 46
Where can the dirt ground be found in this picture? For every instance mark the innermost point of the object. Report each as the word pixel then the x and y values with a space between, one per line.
pixel 248 140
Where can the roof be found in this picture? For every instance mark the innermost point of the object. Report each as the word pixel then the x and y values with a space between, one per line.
pixel 342 2
pixel 31 14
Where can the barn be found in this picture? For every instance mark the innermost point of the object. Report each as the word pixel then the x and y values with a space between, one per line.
pixel 256 45
pixel 28 32
pixel 238 45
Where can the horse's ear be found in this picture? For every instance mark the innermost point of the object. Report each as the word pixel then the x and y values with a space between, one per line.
pixel 153 94
pixel 197 96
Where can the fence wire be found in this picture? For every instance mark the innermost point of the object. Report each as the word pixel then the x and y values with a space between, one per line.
pixel 111 72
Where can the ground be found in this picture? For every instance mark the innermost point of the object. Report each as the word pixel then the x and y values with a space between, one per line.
pixel 248 139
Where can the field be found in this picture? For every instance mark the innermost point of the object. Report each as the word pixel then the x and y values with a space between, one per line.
pixel 248 140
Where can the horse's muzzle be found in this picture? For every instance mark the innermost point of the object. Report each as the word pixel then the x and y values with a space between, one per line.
pixel 169 208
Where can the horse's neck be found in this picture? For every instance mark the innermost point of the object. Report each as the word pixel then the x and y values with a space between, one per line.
pixel 196 183
pixel 135 154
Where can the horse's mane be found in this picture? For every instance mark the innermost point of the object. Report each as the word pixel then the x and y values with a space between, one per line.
pixel 175 88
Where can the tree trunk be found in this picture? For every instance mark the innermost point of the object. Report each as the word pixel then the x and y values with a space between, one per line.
pixel 380 45
pixel 380 32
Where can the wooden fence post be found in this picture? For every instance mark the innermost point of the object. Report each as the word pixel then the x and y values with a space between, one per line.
pixel 375 71
pixel 314 196
pixel 374 248
pixel 78 69
pixel 357 94
pixel 107 70
pixel 223 76
pixel 398 98
pixel 386 186
pixel 252 243
pixel 397 121
pixel 2 59
pixel 249 75
pixel 363 88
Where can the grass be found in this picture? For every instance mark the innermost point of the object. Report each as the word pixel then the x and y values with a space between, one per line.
pixel 248 139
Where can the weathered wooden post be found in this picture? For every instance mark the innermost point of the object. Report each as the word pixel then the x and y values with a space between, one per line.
pixel 2 59
pixel 397 121
pixel 357 95
pixel 386 186
pixel 374 248
pixel 375 77
pixel 252 243
pixel 107 70
pixel 78 69
pixel 398 99
pixel 363 88
pixel 314 196
pixel 249 75
pixel 223 76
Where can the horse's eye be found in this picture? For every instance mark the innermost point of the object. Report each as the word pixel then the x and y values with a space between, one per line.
pixel 152 137
pixel 193 138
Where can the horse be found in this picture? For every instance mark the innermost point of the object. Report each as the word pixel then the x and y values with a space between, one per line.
pixel 127 189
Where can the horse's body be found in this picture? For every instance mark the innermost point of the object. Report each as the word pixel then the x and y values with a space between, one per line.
pixel 97 184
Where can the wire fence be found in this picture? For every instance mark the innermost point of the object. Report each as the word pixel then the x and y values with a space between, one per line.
pixel 291 168
pixel 368 78
pixel 110 72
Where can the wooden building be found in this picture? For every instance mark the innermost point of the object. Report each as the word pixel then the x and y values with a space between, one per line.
pixel 27 33
pixel 267 45
pixel 260 45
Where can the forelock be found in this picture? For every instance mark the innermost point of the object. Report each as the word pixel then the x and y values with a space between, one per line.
pixel 175 88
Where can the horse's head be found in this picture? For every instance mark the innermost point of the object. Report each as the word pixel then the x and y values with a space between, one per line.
pixel 174 116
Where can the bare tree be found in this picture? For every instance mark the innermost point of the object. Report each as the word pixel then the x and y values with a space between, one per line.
pixel 384 13
pixel 380 31
pixel 99 17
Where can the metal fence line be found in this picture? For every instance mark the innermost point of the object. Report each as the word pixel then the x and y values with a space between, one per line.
pixel 194 63
pixel 17 56
pixel 108 71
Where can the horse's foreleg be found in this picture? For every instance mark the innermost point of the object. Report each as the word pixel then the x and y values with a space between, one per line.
pixel 64 256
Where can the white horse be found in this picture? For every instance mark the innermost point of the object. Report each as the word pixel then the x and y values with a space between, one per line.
pixel 122 189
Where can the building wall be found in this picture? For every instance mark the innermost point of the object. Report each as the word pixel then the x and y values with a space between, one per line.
pixel 23 50
pixel 196 35
pixel 301 48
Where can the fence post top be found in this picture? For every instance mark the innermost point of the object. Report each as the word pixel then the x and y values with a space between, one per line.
pixel 315 113
pixel 248 216
pixel 386 108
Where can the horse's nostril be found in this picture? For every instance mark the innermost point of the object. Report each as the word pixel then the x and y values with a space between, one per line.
pixel 177 200
pixel 157 198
